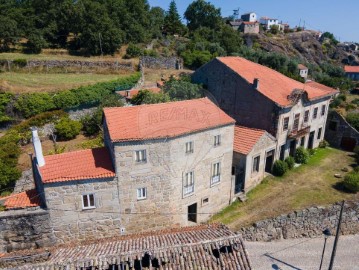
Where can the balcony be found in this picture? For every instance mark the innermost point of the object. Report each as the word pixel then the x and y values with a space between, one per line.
pixel 299 132
pixel 188 189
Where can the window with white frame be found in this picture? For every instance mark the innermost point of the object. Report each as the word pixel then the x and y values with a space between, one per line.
pixel 285 123
pixel 216 172
pixel 88 201
pixel 323 110
pixel 141 156
pixel 141 193
pixel 306 116
pixel 217 140
pixel 315 113
pixel 189 147
pixel 188 184
pixel 256 161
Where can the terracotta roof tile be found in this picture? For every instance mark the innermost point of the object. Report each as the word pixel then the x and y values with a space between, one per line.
pixel 25 199
pixel 320 86
pixel 301 66
pixel 134 92
pixel 77 165
pixel 163 120
pixel 245 139
pixel 351 69
pixel 205 246
pixel 272 84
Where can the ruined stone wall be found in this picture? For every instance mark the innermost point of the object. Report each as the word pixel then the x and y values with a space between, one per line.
pixel 161 62
pixel 309 222
pixel 25 229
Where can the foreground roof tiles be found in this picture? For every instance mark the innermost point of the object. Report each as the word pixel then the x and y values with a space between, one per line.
pixel 77 165
pixel 272 84
pixel 199 247
pixel 25 199
pixel 163 120
pixel 245 139
pixel 352 69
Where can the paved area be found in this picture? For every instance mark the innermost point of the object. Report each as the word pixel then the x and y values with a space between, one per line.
pixel 304 254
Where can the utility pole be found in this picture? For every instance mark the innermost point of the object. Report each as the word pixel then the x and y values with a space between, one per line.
pixel 336 238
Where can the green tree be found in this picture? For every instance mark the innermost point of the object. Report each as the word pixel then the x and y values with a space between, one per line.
pixel 157 19
pixel 202 14
pixel 148 97
pixel 172 21
pixel 182 90
pixel 31 104
pixel 9 33
pixel 67 129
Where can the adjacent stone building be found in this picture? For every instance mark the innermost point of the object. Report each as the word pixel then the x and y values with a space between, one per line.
pixel 258 97
pixel 352 72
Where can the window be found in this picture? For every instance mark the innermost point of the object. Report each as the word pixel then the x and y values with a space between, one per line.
pixel 282 152
pixel 141 156
pixel 216 172
pixel 189 147
pixel 323 110
pixel 255 167
pixel 315 113
pixel 88 201
pixel 205 201
pixel 306 116
pixel 217 140
pixel 285 123
pixel 319 135
pixel 141 193
pixel 188 185
pixel 296 122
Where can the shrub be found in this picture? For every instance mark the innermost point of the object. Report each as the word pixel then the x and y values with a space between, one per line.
pixel 353 119
pixel 323 144
pixel 301 155
pixel 280 167
pixel 351 182
pixel 311 151
pixel 31 104
pixel 133 51
pixel 20 62
pixel 290 162
pixel 67 129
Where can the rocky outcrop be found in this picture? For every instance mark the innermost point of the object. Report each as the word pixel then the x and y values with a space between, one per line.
pixel 309 222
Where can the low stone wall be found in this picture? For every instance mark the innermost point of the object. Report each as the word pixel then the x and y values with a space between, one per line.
pixel 309 222
pixel 7 65
pixel 161 62
pixel 25 229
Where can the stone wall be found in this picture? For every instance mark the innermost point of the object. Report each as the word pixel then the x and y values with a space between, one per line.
pixel 25 229
pixel 338 128
pixel 161 62
pixel 8 65
pixel 309 222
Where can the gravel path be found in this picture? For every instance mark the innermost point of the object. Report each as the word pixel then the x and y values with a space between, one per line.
pixel 304 254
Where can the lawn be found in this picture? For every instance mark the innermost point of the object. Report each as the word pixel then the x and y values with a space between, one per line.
pixel 34 82
pixel 304 186
pixel 54 56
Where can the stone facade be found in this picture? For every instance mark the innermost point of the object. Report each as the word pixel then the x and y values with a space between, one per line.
pixel 309 222
pixel 339 133
pixel 250 28
pixel 163 176
pixel 25 229
pixel 161 62
pixel 70 222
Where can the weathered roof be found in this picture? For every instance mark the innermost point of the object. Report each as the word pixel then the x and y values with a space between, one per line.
pixel 134 92
pixel 320 86
pixel 301 66
pixel 25 199
pixel 272 84
pixel 201 247
pixel 163 120
pixel 351 69
pixel 77 165
pixel 246 138
pixel 251 23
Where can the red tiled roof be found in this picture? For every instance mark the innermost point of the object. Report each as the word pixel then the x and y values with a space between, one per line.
pixel 25 199
pixel 320 86
pixel 250 22
pixel 134 92
pixel 77 165
pixel 351 69
pixel 245 139
pixel 164 119
pixel 272 84
pixel 201 247
pixel 300 66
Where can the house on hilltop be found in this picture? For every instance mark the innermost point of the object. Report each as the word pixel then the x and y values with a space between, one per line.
pixel 303 71
pixel 267 22
pixel 258 97
pixel 163 165
pixel 249 17
pixel 352 72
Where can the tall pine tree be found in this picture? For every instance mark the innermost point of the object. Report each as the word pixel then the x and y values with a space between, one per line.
pixel 172 22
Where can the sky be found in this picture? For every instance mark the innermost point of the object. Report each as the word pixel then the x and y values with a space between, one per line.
pixel 339 17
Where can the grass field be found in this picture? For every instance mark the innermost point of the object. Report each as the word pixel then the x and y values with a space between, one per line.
pixel 35 82
pixel 51 56
pixel 307 185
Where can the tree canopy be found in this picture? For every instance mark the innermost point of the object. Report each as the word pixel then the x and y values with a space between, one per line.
pixel 202 14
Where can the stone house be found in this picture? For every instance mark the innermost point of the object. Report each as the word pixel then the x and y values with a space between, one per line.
pixel 267 23
pixel 352 72
pixel 163 166
pixel 258 97
pixel 253 157
pixel 249 27
pixel 249 17
pixel 303 71
pixel 235 24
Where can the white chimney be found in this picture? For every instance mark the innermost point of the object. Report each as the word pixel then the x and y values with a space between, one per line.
pixel 256 83
pixel 37 147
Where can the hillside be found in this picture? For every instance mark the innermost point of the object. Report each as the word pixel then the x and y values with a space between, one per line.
pixel 303 45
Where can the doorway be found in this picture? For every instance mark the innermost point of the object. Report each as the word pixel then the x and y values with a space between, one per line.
pixel 311 140
pixel 348 143
pixel 269 161
pixel 239 182
pixel 292 147
pixel 192 212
